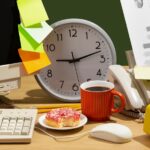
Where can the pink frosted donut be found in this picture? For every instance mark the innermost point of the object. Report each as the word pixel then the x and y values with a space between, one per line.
pixel 62 117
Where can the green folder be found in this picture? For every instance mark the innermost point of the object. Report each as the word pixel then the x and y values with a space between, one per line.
pixel 31 12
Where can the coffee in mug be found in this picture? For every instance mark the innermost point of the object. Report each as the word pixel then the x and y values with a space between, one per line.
pixel 97 88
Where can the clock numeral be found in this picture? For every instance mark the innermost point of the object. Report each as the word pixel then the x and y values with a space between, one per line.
pixel 98 45
pixel 59 37
pixel 75 87
pixel 102 59
pixel 73 33
pixel 49 73
pixel 86 34
pixel 50 47
pixel 99 72
pixel 62 83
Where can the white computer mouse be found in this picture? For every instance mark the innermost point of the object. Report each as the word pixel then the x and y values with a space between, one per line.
pixel 113 132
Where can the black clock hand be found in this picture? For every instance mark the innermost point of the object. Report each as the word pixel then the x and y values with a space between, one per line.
pixel 78 59
pixel 65 60
pixel 75 67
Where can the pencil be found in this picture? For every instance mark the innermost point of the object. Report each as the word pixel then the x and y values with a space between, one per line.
pixel 47 110
pixel 51 106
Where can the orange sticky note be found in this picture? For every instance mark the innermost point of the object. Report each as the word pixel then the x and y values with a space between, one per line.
pixel 33 61
pixel 27 56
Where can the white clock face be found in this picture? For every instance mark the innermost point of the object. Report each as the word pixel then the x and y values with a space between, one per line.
pixel 79 53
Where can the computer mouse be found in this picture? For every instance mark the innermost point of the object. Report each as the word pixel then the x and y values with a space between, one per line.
pixel 113 132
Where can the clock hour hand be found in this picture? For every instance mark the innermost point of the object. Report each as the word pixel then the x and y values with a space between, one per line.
pixel 65 60
pixel 79 58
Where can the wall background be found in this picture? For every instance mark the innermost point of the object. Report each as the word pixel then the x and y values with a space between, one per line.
pixel 106 13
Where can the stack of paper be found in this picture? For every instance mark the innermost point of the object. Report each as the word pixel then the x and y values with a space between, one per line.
pixel 32 31
pixel 136 15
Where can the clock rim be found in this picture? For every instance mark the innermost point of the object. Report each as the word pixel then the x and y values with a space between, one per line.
pixel 90 24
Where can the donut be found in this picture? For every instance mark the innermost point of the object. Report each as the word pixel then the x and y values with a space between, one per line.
pixel 62 117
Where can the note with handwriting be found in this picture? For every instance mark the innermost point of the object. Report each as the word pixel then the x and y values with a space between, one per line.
pixel 33 61
pixel 31 12
pixel 38 32
pixel 137 14
pixel 28 43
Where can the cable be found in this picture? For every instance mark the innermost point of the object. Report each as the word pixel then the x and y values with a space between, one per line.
pixel 63 138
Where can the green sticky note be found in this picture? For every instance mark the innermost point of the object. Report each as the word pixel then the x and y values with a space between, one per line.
pixel 31 12
pixel 28 43
pixel 38 33
pixel 38 25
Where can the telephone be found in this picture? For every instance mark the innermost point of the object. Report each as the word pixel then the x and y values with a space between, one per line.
pixel 137 92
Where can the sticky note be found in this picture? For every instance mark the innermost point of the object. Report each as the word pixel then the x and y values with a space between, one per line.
pixel 38 25
pixel 146 126
pixel 142 72
pixel 38 32
pixel 31 12
pixel 33 61
pixel 27 42
pixel 29 55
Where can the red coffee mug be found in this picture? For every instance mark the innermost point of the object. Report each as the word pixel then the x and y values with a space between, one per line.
pixel 97 100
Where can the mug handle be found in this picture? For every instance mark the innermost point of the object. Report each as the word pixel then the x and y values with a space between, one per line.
pixel 122 99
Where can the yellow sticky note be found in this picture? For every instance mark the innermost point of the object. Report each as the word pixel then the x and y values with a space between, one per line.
pixel 33 61
pixel 142 73
pixel 146 127
pixel 31 12
pixel 28 43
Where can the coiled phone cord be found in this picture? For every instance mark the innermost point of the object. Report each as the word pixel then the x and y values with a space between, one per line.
pixel 138 115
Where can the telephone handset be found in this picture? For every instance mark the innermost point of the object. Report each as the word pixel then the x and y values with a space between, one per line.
pixel 136 93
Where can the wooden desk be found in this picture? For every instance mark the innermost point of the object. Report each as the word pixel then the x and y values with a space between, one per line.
pixel 31 94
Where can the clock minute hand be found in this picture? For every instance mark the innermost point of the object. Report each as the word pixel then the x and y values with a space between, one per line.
pixel 79 58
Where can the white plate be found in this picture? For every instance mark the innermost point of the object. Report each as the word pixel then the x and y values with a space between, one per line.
pixel 83 121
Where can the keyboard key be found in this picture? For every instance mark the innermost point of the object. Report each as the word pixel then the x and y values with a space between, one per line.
pixel 17 132
pixel 25 130
pixel 27 123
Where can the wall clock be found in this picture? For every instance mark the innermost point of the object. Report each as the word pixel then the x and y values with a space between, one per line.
pixel 80 51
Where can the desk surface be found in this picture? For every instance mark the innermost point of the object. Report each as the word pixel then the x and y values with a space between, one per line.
pixel 31 94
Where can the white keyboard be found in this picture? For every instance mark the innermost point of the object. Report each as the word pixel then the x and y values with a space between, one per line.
pixel 17 125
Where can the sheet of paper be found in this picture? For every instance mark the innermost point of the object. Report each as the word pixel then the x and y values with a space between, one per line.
pixel 142 73
pixel 137 17
pixel 31 12
pixel 27 42
pixel 33 61
pixel 38 33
